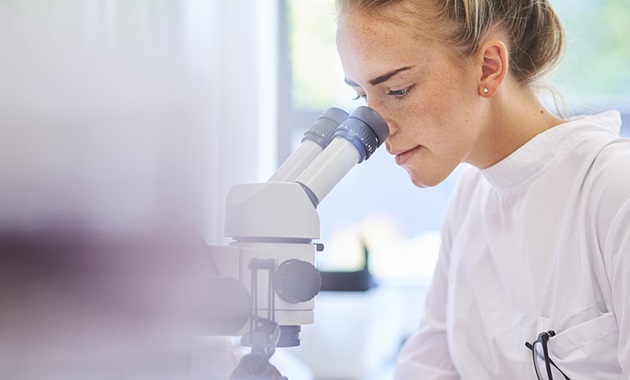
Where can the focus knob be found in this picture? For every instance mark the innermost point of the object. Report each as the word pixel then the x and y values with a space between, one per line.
pixel 297 281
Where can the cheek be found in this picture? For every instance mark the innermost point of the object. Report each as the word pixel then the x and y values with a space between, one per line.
pixel 455 111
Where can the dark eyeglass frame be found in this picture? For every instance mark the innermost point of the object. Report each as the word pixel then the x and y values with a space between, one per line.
pixel 543 338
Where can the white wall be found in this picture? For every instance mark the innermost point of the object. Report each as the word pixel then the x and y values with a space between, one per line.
pixel 124 115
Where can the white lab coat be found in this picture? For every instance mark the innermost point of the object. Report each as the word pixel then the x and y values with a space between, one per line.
pixel 540 241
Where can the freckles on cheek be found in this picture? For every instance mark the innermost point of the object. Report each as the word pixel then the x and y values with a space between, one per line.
pixel 441 101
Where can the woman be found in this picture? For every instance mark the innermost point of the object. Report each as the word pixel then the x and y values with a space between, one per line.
pixel 535 252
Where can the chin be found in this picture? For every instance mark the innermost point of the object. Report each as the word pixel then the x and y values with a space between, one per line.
pixel 423 181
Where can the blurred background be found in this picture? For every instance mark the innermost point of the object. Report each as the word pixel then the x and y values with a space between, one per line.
pixel 127 118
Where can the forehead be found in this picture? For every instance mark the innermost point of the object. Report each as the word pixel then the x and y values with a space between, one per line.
pixel 368 45
pixel 358 31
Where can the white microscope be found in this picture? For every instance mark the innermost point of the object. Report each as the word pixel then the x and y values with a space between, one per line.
pixel 266 278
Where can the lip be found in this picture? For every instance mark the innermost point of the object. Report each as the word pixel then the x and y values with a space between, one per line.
pixel 405 156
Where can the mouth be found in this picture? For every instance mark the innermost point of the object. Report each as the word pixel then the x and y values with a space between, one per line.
pixel 406 155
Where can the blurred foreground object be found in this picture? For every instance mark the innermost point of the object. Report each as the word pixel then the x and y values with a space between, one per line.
pixel 109 179
pixel 93 307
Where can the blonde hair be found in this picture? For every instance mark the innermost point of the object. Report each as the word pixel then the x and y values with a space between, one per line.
pixel 535 35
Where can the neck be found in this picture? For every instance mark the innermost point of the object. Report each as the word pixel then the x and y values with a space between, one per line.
pixel 514 116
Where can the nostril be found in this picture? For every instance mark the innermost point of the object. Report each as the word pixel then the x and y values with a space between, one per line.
pixel 388 146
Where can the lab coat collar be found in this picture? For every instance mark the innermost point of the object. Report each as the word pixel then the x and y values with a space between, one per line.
pixel 529 160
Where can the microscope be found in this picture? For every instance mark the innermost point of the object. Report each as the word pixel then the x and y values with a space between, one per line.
pixel 266 277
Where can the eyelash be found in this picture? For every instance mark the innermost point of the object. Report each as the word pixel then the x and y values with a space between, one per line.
pixel 402 93
pixel 398 94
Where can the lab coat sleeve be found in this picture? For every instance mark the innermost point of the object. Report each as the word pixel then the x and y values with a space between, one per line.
pixel 612 202
pixel 425 355
pixel 618 257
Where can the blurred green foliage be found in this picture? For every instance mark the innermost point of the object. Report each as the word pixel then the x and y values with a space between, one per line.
pixel 597 60
pixel 317 74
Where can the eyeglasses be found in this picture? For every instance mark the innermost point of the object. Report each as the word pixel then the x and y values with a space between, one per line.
pixel 544 366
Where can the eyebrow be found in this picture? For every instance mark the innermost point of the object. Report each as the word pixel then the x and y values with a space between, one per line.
pixel 380 79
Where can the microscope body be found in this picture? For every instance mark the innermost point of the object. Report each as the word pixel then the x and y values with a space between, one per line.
pixel 273 224
pixel 268 271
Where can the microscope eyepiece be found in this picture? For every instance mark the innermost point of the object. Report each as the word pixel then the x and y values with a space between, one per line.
pixel 354 141
pixel 365 129
pixel 315 139
pixel 323 131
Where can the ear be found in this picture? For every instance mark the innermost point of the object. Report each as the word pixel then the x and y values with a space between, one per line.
pixel 494 66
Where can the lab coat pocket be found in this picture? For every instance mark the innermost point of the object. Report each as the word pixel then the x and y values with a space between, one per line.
pixel 589 349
